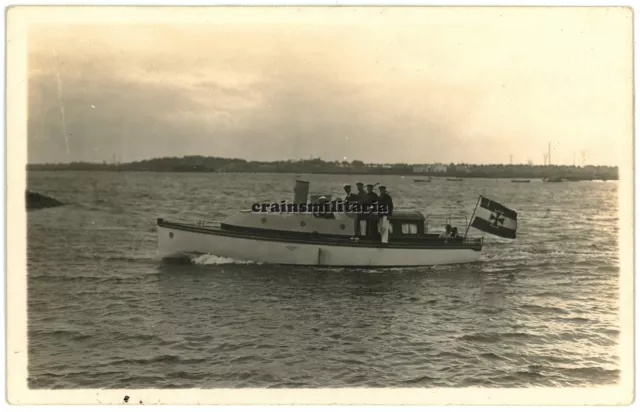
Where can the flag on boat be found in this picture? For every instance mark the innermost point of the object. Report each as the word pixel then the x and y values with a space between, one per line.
pixel 494 218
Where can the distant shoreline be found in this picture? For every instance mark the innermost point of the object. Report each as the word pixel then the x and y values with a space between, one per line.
pixel 201 164
pixel 433 175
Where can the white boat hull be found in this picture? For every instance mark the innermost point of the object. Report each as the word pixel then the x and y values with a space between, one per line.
pixel 174 241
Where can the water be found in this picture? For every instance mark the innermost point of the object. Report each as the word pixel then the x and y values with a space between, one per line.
pixel 104 312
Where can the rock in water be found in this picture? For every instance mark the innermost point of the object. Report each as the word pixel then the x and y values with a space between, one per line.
pixel 38 201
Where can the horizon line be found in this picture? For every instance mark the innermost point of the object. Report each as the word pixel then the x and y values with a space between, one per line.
pixel 303 160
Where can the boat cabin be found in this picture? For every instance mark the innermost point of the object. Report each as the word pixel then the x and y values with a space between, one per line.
pixel 406 224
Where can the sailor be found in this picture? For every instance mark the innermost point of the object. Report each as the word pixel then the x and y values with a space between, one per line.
pixel 371 196
pixel 325 209
pixel 386 200
pixel 362 195
pixel 446 233
pixel 371 200
pixel 385 204
pixel 360 199
pixel 349 197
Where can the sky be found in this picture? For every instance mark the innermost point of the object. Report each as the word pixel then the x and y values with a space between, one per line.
pixel 384 85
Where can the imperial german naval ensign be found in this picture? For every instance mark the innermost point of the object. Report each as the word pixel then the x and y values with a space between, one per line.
pixel 494 218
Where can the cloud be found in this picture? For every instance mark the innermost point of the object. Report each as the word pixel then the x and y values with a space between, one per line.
pixel 289 103
pixel 380 87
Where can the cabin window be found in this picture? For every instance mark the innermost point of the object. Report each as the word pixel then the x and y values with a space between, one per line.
pixel 409 228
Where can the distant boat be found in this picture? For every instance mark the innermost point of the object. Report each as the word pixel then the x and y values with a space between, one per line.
pixel 454 179
pixel 520 180
pixel 553 179
pixel 422 180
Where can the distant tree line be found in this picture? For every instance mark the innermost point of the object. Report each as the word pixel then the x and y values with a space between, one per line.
pixel 230 165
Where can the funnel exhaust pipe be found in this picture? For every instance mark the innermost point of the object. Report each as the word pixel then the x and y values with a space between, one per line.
pixel 301 192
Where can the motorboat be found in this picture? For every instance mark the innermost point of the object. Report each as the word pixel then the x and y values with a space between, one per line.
pixel 554 179
pixel 310 238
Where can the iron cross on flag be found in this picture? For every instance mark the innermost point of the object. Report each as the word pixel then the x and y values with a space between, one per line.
pixel 491 217
pixel 496 218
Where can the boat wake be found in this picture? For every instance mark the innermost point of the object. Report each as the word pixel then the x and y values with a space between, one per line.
pixel 208 259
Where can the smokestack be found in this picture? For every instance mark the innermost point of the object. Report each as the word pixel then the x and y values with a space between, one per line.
pixel 301 192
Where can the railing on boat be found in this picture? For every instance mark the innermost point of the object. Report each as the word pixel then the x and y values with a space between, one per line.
pixel 448 219
pixel 473 240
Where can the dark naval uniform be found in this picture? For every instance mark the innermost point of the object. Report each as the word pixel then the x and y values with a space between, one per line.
pixel 352 198
pixel 387 201
pixel 362 197
pixel 371 198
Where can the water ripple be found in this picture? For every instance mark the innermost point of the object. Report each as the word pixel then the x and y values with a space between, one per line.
pixel 104 312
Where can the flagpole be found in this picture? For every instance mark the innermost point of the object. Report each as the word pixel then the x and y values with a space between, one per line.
pixel 472 215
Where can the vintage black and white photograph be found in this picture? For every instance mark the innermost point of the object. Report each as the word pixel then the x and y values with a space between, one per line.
pixel 335 198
